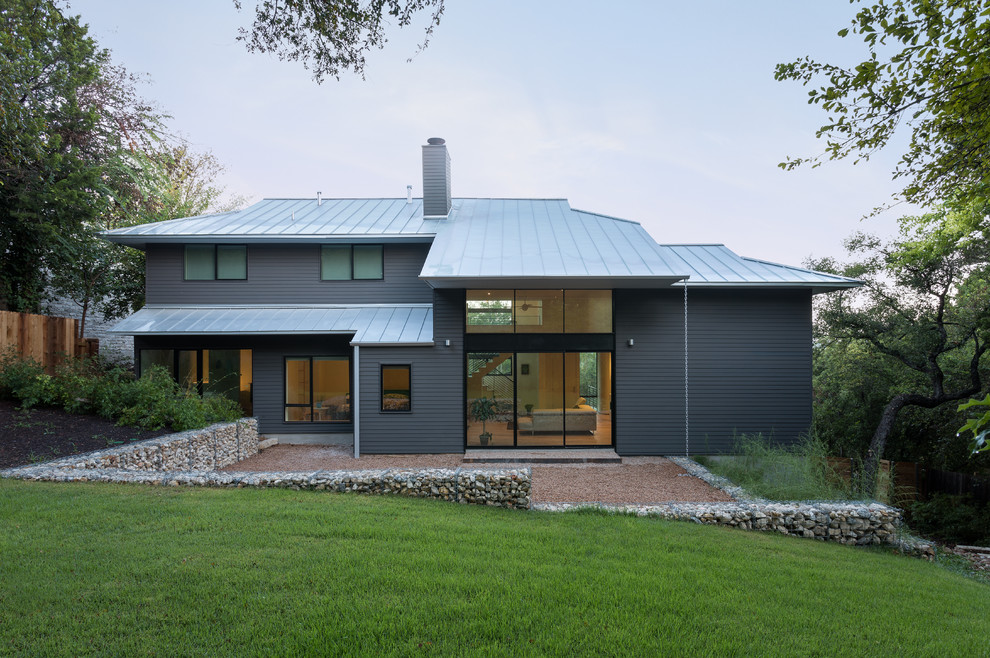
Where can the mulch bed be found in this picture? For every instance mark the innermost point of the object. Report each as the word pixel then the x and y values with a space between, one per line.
pixel 41 434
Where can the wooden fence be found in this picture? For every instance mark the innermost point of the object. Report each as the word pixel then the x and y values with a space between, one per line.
pixel 46 339
pixel 912 481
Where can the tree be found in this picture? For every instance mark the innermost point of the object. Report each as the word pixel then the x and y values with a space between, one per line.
pixel 168 181
pixel 45 58
pixel 331 36
pixel 66 114
pixel 928 69
pixel 925 306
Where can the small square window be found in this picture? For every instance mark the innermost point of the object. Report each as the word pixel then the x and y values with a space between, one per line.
pixel 231 261
pixel 368 262
pixel 396 388
pixel 335 263
pixel 200 264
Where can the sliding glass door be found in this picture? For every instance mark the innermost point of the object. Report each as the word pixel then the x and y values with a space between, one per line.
pixel 539 399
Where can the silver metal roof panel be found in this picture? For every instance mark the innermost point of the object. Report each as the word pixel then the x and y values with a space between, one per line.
pixel 715 265
pixel 370 324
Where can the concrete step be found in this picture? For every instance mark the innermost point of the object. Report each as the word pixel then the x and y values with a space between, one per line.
pixel 563 456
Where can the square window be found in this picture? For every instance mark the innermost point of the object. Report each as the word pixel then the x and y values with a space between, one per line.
pixel 368 262
pixel 199 261
pixel 231 261
pixel 335 263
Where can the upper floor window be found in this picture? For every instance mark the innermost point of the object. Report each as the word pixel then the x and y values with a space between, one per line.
pixel 206 262
pixel 343 262
pixel 539 311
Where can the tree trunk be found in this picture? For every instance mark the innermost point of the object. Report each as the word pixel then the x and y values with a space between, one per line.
pixel 871 465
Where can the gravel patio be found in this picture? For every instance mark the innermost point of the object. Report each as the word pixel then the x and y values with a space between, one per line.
pixel 637 480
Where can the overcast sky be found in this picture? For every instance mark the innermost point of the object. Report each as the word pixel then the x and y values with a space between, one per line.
pixel 659 112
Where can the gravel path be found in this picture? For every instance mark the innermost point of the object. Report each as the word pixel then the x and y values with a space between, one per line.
pixel 638 480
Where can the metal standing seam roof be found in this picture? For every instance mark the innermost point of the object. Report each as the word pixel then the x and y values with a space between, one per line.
pixel 291 219
pixel 513 242
pixel 492 243
pixel 371 324
pixel 715 265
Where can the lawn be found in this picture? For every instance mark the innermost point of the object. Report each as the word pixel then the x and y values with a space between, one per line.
pixel 133 570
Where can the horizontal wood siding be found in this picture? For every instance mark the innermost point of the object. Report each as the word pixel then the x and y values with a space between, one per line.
pixel 436 422
pixel 287 274
pixel 749 368
pixel 649 376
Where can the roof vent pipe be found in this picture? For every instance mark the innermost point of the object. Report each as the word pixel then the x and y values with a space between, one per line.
pixel 408 193
pixel 319 198
pixel 436 178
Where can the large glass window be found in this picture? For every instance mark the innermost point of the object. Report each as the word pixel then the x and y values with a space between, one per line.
pixel 346 262
pixel 396 388
pixel 318 389
pixel 490 311
pixel 588 312
pixel 539 399
pixel 206 262
pixel 538 311
pixel 490 402
pixel 151 358
pixel 227 373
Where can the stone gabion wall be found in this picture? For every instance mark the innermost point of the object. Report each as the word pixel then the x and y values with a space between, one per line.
pixel 845 523
pixel 206 449
pixel 501 488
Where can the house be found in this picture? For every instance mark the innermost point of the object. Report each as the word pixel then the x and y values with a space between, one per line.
pixel 439 324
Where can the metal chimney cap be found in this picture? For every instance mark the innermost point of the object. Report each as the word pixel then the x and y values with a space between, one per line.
pixel 436 141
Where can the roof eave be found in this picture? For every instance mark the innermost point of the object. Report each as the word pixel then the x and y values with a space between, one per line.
pixel 522 282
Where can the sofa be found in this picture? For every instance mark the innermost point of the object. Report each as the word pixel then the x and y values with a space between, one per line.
pixel 582 418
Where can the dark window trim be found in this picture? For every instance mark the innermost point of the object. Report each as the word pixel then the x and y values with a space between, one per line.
pixel 563 310
pixel 216 263
pixel 381 388
pixel 351 249
pixel 309 358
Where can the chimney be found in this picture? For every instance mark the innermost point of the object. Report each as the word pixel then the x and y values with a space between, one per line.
pixel 436 178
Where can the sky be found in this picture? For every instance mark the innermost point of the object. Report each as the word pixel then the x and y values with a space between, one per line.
pixel 658 112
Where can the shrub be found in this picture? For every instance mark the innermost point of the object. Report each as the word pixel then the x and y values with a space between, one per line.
pixel 777 472
pixel 952 519
pixel 154 401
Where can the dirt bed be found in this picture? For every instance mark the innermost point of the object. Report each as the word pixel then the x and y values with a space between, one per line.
pixel 37 435
pixel 639 480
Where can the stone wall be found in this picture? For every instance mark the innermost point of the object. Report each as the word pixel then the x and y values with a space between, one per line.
pixel 115 347
pixel 206 449
pixel 501 487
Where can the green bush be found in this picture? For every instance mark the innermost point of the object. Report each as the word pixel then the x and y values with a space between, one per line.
pixel 778 472
pixel 952 519
pixel 154 401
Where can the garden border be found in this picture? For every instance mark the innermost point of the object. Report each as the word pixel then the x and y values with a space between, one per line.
pixel 193 458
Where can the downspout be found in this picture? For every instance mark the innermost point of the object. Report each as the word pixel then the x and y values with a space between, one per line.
pixel 687 427
pixel 356 407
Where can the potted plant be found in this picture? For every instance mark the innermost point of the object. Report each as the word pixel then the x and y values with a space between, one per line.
pixel 484 410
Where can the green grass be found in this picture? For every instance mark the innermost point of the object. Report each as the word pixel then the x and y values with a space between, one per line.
pixel 775 472
pixel 133 570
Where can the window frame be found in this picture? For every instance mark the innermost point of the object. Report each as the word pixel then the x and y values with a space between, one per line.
pixel 381 388
pixel 312 404
pixel 216 262
pixel 350 250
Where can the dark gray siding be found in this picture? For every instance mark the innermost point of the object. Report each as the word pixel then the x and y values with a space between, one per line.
pixel 268 366
pixel 436 422
pixel 436 180
pixel 287 274
pixel 750 368
pixel 649 376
